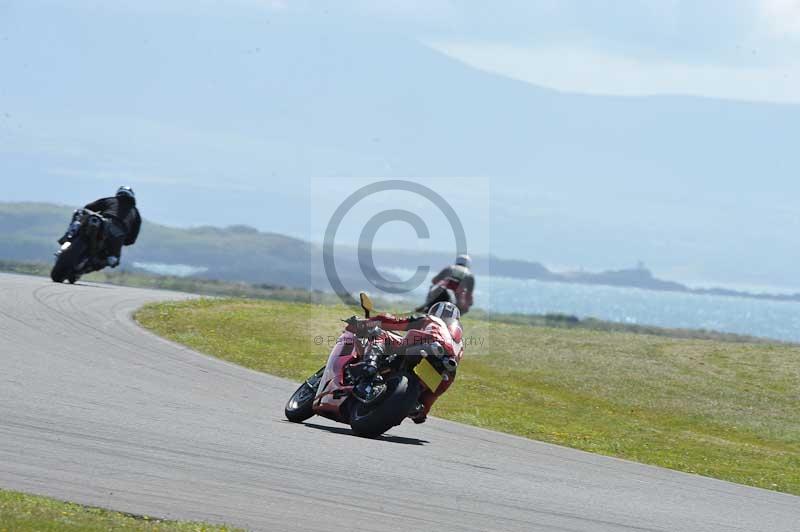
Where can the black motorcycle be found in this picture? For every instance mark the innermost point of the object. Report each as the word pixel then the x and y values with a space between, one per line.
pixel 82 247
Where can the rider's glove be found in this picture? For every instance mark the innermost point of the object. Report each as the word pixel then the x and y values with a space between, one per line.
pixel 375 332
pixel 364 328
pixel 356 325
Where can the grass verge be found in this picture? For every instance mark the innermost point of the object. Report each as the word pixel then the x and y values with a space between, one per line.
pixel 716 408
pixel 30 513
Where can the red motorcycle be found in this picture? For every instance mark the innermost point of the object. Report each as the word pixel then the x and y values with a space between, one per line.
pixel 372 390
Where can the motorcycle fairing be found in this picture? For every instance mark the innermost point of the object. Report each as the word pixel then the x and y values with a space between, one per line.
pixel 333 391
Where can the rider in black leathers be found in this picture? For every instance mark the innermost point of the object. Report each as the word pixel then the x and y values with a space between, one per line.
pixel 124 225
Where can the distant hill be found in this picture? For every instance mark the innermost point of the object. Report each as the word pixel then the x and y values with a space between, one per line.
pixel 242 253
pixel 237 253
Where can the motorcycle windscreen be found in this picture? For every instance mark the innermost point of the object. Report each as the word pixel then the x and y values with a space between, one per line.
pixel 428 375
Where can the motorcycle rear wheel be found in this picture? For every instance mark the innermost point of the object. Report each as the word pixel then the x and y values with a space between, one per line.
pixel 372 420
pixel 301 404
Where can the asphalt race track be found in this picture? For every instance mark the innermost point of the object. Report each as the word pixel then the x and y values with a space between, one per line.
pixel 97 411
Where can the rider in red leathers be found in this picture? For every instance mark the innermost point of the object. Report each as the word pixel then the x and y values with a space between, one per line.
pixel 438 333
pixel 455 284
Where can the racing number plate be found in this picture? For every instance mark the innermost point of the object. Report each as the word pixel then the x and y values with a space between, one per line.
pixel 428 374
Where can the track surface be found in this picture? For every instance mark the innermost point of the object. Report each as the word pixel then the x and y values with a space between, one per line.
pixel 97 411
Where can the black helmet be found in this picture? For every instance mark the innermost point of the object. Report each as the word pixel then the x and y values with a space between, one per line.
pixel 126 192
pixel 445 310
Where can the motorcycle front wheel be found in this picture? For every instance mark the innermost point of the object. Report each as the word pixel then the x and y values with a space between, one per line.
pixel 301 404
pixel 67 261
pixel 401 396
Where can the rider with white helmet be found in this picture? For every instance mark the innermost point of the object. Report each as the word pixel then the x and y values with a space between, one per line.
pixel 455 284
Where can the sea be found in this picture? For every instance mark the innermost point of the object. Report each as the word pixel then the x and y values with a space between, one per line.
pixel 778 320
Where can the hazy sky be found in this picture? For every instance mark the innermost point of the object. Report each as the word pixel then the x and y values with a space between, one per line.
pixel 224 112
pixel 742 49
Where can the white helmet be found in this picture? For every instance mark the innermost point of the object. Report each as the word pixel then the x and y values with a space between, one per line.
pixel 445 310
pixel 464 260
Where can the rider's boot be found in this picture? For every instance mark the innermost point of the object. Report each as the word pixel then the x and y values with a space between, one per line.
pixel 417 414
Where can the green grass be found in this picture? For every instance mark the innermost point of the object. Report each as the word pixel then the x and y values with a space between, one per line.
pixel 721 409
pixel 28 513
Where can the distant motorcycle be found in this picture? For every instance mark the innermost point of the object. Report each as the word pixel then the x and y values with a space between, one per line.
pixel 329 392
pixel 82 247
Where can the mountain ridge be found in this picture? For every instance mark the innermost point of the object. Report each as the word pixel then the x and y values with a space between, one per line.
pixel 243 253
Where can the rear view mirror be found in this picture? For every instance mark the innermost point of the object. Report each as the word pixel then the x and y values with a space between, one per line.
pixel 366 304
